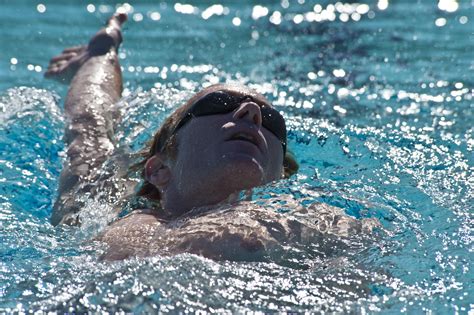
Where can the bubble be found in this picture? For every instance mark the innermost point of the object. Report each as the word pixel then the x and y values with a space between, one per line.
pixel 13 61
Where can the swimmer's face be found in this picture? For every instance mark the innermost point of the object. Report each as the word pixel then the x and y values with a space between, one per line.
pixel 225 101
pixel 220 154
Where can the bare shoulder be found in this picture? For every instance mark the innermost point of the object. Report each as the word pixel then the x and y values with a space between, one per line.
pixel 322 218
pixel 244 231
pixel 130 235
pixel 238 232
pixel 334 221
pixel 231 232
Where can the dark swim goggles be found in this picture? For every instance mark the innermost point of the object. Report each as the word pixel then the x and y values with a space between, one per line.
pixel 221 102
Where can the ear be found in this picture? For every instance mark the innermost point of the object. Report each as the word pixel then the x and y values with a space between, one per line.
pixel 157 172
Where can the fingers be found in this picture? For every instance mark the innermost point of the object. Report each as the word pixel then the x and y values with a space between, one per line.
pixel 58 63
pixel 50 73
pixel 67 54
pixel 53 71
pixel 55 65
pixel 61 71
pixel 64 56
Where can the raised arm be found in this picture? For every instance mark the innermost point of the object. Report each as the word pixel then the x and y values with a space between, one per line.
pixel 95 84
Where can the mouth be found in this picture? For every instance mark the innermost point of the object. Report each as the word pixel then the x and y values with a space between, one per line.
pixel 247 137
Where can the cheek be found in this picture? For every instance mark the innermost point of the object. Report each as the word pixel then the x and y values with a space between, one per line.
pixel 195 142
pixel 275 165
pixel 278 167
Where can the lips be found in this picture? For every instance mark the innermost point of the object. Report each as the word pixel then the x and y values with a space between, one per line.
pixel 244 137
pixel 250 136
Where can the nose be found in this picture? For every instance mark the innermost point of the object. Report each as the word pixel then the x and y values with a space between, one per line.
pixel 250 111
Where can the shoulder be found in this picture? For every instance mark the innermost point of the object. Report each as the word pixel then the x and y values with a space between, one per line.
pixel 136 220
pixel 142 221
pixel 130 235
pixel 331 220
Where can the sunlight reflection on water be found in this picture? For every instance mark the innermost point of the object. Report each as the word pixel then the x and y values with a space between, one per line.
pixel 380 118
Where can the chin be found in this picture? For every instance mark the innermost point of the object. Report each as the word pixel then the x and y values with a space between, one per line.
pixel 240 171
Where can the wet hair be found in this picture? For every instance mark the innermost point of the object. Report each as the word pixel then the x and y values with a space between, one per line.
pixel 164 141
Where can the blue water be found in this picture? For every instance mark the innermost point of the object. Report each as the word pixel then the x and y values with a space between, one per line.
pixel 379 102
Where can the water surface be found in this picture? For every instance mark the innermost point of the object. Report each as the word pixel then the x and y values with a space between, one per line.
pixel 378 99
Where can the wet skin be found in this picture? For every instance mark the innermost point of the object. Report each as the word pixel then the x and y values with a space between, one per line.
pixel 199 187
pixel 228 152
pixel 95 85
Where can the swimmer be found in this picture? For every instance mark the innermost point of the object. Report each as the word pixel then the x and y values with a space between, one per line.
pixel 224 141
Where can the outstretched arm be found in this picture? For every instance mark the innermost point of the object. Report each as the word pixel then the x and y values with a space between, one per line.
pixel 95 85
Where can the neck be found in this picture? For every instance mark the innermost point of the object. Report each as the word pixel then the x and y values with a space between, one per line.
pixel 176 206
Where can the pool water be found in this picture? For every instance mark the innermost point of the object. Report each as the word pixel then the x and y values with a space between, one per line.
pixel 379 102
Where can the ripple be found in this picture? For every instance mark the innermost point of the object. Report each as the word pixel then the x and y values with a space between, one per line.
pixel 380 125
